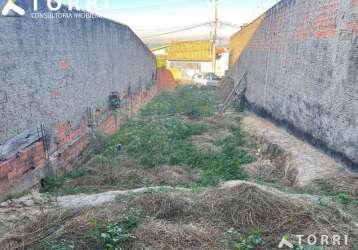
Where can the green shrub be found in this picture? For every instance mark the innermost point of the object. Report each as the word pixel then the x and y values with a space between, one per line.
pixel 252 242
pixel 51 184
pixel 345 199
pixel 113 235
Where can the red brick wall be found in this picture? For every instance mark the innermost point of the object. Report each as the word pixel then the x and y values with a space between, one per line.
pixel 166 80
pixel 66 134
pixel 70 155
pixel 25 161
pixel 110 125
pixel 71 142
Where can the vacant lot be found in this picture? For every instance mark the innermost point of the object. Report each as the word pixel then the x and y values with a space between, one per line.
pixel 183 152
pixel 176 140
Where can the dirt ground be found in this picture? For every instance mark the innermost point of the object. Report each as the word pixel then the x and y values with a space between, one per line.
pixel 309 162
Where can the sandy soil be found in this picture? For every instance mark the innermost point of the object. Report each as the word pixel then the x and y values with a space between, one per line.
pixel 311 164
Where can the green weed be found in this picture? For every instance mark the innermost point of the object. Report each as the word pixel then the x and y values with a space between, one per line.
pixel 251 242
pixel 55 184
pixel 161 136
pixel 186 100
pixel 114 235
pixel 344 198
pixel 63 245
pixel 76 173
pixel 167 141
pixel 157 142
pixel 51 184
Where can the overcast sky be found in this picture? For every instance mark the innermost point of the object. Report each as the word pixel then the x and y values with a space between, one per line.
pixel 152 17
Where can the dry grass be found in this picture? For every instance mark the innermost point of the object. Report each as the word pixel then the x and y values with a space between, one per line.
pixel 130 174
pixel 185 220
pixel 244 208
pixel 206 142
pixel 345 183
pixel 38 234
pixel 191 220
pixel 272 164
pixel 174 176
pixel 163 235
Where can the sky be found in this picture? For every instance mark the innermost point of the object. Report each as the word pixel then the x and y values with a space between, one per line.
pixel 151 18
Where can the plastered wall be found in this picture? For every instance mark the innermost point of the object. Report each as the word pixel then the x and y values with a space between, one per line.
pixel 302 70
pixel 52 70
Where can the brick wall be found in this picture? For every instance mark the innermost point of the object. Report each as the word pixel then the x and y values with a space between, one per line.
pixel 52 71
pixel 71 154
pixel 302 70
pixel 166 80
pixel 71 145
pixel 25 162
pixel 66 134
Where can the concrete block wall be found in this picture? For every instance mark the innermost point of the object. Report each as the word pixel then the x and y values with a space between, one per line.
pixel 52 71
pixel 302 70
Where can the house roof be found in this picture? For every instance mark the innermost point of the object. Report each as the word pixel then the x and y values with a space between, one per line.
pixel 190 51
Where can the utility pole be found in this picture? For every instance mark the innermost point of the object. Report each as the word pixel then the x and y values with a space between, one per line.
pixel 215 31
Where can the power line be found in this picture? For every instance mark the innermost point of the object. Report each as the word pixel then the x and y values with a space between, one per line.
pixel 222 23
pixel 163 29
pixel 231 25
pixel 177 31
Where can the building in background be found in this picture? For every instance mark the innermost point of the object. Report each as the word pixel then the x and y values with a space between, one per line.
pixel 161 55
pixel 190 57
pixel 222 61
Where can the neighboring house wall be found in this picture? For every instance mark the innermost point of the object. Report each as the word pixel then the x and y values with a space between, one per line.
pixel 239 40
pixel 222 64
pixel 189 68
pixel 53 71
pixel 200 51
pixel 302 70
